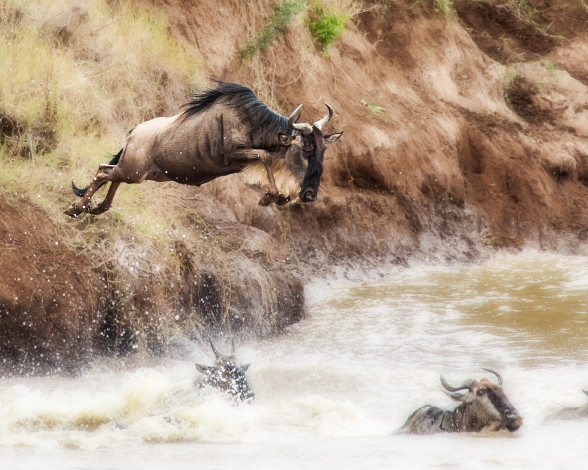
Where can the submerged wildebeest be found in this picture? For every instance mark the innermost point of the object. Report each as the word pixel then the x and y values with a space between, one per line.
pixel 575 412
pixel 227 376
pixel 484 407
pixel 221 131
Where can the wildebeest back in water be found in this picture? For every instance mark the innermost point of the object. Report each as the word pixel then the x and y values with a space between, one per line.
pixel 226 376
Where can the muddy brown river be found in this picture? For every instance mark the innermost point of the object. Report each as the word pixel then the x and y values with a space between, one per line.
pixel 333 389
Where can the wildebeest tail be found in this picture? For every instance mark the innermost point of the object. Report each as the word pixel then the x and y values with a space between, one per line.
pixel 116 158
pixel 80 192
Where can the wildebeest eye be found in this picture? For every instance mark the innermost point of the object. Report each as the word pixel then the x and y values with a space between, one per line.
pixel 285 139
pixel 482 391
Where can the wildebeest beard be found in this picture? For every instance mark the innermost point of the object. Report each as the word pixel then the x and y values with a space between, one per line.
pixel 312 178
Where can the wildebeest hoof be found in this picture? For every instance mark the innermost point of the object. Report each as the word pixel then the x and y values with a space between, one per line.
pixel 97 210
pixel 73 211
pixel 281 200
pixel 266 200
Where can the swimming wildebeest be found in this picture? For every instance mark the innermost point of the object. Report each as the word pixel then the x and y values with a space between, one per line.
pixel 227 376
pixel 570 412
pixel 484 407
pixel 221 131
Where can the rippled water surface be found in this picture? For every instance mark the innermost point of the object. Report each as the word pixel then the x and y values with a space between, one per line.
pixel 331 392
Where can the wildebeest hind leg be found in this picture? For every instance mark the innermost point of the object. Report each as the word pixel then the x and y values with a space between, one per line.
pixel 107 202
pixel 83 205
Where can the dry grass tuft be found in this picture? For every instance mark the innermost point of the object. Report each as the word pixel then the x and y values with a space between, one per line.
pixel 76 76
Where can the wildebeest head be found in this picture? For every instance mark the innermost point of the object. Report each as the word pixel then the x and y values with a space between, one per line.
pixel 487 403
pixel 227 376
pixel 308 143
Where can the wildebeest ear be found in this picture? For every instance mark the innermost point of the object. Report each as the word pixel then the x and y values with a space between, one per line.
pixel 203 369
pixel 245 367
pixel 285 139
pixel 329 139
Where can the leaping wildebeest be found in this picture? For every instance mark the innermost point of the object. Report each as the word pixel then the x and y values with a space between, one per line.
pixel 221 131
pixel 484 407
pixel 226 376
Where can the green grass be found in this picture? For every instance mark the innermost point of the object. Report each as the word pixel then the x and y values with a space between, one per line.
pixel 374 108
pixel 509 75
pixel 326 23
pixel 445 7
pixel 283 14
pixel 525 8
pixel 551 69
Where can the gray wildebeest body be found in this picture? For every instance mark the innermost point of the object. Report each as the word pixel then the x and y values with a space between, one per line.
pixel 222 131
pixel 226 376
pixel 484 407
pixel 576 412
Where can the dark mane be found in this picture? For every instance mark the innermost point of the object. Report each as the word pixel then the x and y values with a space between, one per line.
pixel 244 101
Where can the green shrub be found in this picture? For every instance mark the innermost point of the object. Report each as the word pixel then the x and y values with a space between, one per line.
pixel 326 24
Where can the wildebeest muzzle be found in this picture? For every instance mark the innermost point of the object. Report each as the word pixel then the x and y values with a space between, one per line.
pixel 308 195
pixel 513 421
pixel 312 178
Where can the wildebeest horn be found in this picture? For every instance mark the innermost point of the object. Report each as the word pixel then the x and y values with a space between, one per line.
pixel 463 386
pixel 299 126
pixel 496 374
pixel 319 124
pixel 218 356
pixel 585 391
pixel 294 115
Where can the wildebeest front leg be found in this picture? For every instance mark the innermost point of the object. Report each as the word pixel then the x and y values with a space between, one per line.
pixel 83 205
pixel 272 194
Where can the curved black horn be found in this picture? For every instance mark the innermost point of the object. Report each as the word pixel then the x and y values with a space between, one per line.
pixel 463 386
pixel 319 124
pixel 216 353
pixel 585 391
pixel 496 374
pixel 299 126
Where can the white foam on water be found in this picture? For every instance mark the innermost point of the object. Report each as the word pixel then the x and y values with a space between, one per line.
pixel 332 390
